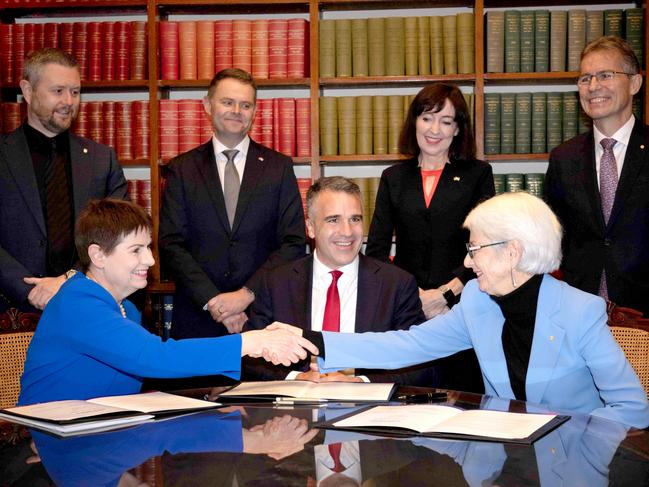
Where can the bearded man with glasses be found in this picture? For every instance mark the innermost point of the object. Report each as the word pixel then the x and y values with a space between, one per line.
pixel 598 182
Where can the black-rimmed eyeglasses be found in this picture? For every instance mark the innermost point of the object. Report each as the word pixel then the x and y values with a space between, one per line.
pixel 472 249
pixel 601 77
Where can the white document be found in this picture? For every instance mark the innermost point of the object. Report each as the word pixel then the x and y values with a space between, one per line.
pixel 314 391
pixel 426 418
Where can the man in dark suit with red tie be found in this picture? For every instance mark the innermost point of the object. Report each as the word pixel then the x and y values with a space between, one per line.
pixel 338 289
pixel 231 209
pixel 598 182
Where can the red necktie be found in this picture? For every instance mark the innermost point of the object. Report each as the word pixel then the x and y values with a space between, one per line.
pixel 334 451
pixel 331 320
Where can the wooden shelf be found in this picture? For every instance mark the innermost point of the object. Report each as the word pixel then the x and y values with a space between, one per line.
pixel 161 287
pixel 135 162
pixel 389 4
pixel 261 83
pixel 396 80
pixel 531 78
pixel 113 85
pixel 516 157
pixel 70 4
pixel 362 159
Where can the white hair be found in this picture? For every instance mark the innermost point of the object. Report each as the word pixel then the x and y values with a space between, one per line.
pixel 525 218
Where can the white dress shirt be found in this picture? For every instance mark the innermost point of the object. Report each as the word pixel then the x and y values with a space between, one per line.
pixel 350 457
pixel 622 137
pixel 239 159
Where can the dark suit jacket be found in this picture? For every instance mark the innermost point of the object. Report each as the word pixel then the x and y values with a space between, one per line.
pixel 197 247
pixel 430 242
pixel 621 246
pixel 96 173
pixel 387 299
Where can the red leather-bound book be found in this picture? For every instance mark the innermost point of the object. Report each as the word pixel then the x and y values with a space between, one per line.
pixel 51 34
pixel 11 116
pixel 95 53
pixel 144 194
pixel 6 53
pixel 298 48
pixel 303 185
pixel 141 132
pixel 276 127
pixel 205 49
pixel 260 49
pixel 137 58
pixel 189 124
pixel 108 54
pixel 124 126
pixel 132 190
pixel 29 35
pixel 206 127
pixel 303 127
pixel 168 49
pixel 187 47
pixel 222 45
pixel 109 136
pixel 265 113
pixel 287 126
pixel 277 48
pixel 168 127
pixel 122 50
pixel 255 128
pixel 39 36
pixel 242 44
pixel 80 47
pixel 66 37
pixel 19 51
pixel 95 121
pixel 81 125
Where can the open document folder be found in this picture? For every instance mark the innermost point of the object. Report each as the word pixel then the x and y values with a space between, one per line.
pixel 71 417
pixel 306 391
pixel 448 422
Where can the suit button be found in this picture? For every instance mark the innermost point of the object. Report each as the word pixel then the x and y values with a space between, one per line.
pixel 233 243
pixel 226 274
pixel 607 242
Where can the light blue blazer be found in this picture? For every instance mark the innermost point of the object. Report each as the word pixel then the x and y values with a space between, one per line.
pixel 575 363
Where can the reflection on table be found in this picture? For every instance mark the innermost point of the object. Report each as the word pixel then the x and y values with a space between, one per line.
pixel 266 445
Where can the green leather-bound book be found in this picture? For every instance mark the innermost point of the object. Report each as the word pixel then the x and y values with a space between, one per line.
pixel 423 45
pixel 449 40
pixel 380 124
pixel 372 189
pixel 492 123
pixel 576 37
pixel 594 25
pixel 634 23
pixel 465 43
pixel 346 125
pixel 363 185
pixel 395 51
pixel 328 126
pixel 343 47
pixel 395 122
pixel 554 131
pixel 512 41
pixel 523 123
pixel 570 114
pixel 376 43
pixel 495 41
pixel 360 59
pixel 364 125
pixel 534 184
pixel 470 101
pixel 614 22
pixel 586 123
pixel 507 123
pixel 514 182
pixel 542 41
pixel 499 183
pixel 327 48
pixel 527 41
pixel 539 108
pixel 436 45
pixel 410 45
pixel 558 26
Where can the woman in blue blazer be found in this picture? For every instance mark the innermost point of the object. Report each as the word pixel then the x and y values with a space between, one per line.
pixel 89 341
pixel 536 338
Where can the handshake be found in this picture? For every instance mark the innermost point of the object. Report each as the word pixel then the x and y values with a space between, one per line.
pixel 278 343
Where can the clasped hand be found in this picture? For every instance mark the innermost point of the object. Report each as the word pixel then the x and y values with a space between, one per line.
pixel 277 344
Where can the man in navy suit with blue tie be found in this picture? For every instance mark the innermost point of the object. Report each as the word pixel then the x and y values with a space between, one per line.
pixel 231 210
pixel 598 182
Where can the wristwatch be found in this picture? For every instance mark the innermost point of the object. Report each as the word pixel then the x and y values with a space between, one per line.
pixel 449 296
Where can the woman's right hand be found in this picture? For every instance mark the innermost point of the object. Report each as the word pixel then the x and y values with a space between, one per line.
pixel 278 346
pixel 432 302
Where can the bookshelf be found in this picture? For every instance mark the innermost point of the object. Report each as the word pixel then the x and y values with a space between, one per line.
pixel 155 88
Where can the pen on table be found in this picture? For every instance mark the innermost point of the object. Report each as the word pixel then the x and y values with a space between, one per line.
pixel 425 397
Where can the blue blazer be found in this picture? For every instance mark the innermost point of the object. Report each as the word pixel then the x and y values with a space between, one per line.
pixel 575 363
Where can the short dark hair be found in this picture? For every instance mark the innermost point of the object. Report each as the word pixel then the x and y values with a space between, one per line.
pixel 105 223
pixel 331 183
pixel 37 59
pixel 614 43
pixel 232 73
pixel 432 98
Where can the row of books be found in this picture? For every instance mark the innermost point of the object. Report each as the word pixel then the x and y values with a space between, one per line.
pixel 364 124
pixel 532 183
pixel 139 191
pixel 397 46
pixel 275 48
pixel 283 124
pixel 111 51
pixel 543 40
pixel 11 116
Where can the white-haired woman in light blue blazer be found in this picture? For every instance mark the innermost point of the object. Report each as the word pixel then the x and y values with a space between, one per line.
pixel 536 338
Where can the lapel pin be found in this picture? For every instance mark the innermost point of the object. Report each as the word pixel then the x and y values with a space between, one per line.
pixel 261 159
pixel 456 178
pixel 642 146
pixel 551 338
pixel 85 151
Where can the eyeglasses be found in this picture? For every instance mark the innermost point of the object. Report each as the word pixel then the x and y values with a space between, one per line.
pixel 472 249
pixel 601 77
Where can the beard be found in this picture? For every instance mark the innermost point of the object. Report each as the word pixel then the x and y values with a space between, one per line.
pixel 54 121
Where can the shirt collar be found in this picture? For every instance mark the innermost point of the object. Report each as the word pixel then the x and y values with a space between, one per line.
pixel 37 139
pixel 321 271
pixel 242 147
pixel 622 135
